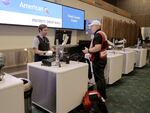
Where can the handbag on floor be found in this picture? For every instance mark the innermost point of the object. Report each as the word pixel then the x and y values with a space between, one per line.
pixel 93 102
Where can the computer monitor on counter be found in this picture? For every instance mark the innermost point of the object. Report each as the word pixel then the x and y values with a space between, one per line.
pixel 61 35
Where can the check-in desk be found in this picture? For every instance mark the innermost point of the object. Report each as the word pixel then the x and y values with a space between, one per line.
pixel 11 95
pixel 113 69
pixel 140 56
pixel 128 60
pixel 58 89
pixel 148 54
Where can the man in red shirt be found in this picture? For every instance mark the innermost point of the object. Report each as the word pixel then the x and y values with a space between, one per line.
pixel 98 45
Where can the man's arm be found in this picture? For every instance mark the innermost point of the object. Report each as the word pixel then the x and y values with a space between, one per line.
pixel 35 47
pixel 98 45
pixel 95 49
pixel 52 49
pixel 36 51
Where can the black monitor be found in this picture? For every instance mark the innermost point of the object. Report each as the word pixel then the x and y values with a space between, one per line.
pixel 83 44
pixel 59 34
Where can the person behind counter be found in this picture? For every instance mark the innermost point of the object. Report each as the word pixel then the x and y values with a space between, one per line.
pixel 98 44
pixel 41 44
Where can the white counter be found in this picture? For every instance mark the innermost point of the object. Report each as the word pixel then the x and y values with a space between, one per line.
pixel 58 89
pixel 128 60
pixel 148 54
pixel 11 95
pixel 140 56
pixel 113 69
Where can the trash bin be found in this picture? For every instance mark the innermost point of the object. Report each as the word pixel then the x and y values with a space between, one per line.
pixel 27 95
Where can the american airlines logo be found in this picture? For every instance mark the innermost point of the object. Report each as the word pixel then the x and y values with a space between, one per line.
pixel 34 7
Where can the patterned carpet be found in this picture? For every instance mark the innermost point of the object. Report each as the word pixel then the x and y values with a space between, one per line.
pixel 131 94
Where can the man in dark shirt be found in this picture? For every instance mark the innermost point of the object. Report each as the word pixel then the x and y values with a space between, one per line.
pixel 41 45
pixel 98 62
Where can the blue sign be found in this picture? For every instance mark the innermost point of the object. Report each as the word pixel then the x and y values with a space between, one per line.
pixel 35 12
pixel 34 7
pixel 73 18
pixel 28 8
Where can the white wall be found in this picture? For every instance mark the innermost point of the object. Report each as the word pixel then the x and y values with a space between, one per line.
pixel 14 37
